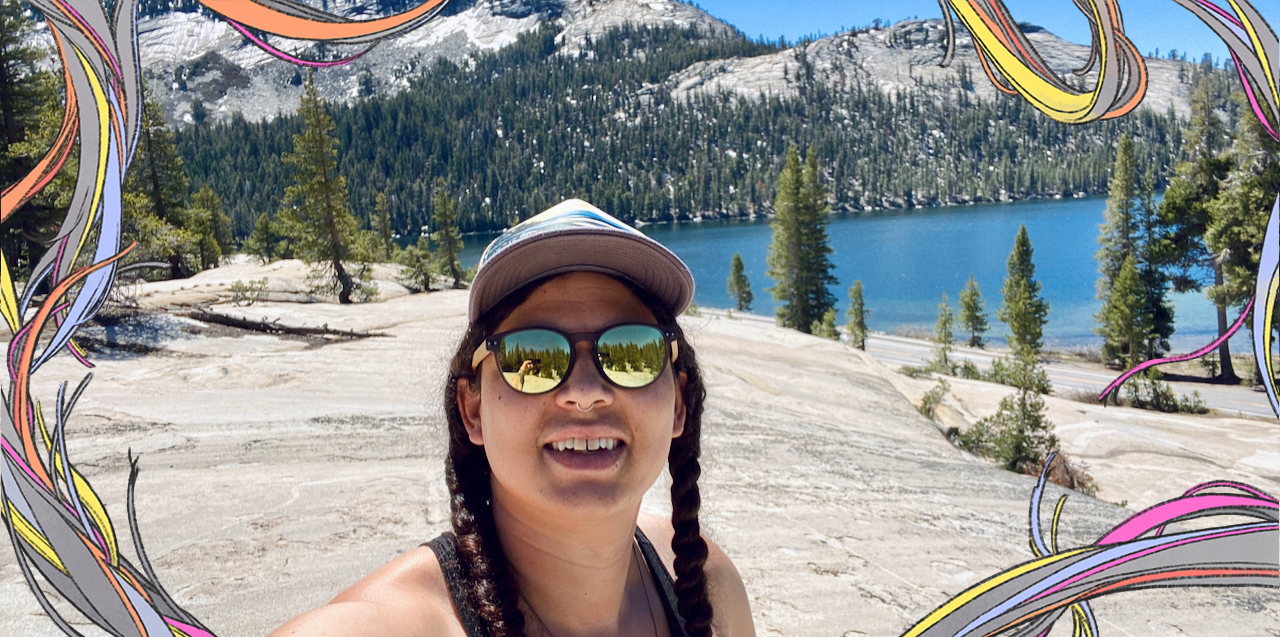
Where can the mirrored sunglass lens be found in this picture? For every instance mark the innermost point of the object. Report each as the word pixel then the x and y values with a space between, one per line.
pixel 533 361
pixel 632 355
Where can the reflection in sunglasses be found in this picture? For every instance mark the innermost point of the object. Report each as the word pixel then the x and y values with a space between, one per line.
pixel 537 360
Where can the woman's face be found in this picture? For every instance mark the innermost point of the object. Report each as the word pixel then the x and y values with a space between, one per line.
pixel 519 432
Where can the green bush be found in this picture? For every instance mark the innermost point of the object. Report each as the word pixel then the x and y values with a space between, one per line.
pixel 915 371
pixel 826 328
pixel 1147 391
pixel 933 398
pixel 247 293
pixel 1018 436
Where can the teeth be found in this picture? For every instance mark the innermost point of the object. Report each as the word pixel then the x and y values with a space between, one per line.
pixel 583 444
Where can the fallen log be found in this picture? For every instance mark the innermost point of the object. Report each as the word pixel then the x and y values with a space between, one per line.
pixel 275 327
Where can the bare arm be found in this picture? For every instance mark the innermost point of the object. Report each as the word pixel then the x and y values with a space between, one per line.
pixel 406 597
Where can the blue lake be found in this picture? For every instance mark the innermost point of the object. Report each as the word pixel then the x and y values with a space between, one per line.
pixel 907 260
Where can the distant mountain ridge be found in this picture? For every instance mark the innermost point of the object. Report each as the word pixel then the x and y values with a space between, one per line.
pixel 189 57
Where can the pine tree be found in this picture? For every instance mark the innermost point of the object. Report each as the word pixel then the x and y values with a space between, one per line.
pixel 1239 214
pixel 1116 238
pixel 1184 214
pixel 785 255
pixel 973 312
pixel 739 284
pixel 815 243
pixel 382 227
pixel 419 265
pixel 826 328
pixel 1022 308
pixel 857 326
pixel 264 240
pixel 157 175
pixel 943 334
pixel 1155 283
pixel 316 217
pixel 36 222
pixel 447 238
pixel 798 254
pixel 21 96
pixel 211 227
pixel 1018 435
pixel 1124 322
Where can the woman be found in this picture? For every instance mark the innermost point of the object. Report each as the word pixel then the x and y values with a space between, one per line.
pixel 546 469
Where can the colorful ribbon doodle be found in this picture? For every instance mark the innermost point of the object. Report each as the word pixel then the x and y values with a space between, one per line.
pixel 57 523
pixel 1015 67
pixel 59 526
pixel 1027 599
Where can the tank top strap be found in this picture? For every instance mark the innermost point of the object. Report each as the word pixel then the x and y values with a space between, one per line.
pixel 445 546
pixel 670 603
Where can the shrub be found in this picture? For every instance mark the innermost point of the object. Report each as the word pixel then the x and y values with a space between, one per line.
pixel 915 371
pixel 826 328
pixel 419 266
pixel 247 293
pixel 1017 436
pixel 933 398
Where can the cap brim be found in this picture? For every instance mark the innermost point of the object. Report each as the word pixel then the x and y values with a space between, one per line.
pixel 633 257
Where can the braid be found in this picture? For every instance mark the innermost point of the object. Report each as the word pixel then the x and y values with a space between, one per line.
pixel 491 588
pixel 689 547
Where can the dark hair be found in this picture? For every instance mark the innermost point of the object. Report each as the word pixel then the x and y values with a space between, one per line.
pixel 491 588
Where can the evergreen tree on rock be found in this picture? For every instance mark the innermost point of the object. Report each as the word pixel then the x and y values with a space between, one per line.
pixel 264 241
pixel 1184 215
pixel 1022 308
pixel 315 216
pixel 973 312
pixel 943 334
pixel 210 225
pixel 826 328
pixel 447 237
pixel 1238 215
pixel 1124 322
pixel 382 227
pixel 155 217
pixel 739 284
pixel 857 325
pixel 1129 239
pixel 798 254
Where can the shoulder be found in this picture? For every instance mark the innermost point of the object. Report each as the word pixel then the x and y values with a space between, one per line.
pixel 724 584
pixel 407 596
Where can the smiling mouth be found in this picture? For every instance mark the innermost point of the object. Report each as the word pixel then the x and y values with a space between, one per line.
pixel 586 445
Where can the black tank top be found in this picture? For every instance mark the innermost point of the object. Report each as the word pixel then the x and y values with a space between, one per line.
pixel 446 549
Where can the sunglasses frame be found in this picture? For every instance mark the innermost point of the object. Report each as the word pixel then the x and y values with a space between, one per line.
pixel 493 342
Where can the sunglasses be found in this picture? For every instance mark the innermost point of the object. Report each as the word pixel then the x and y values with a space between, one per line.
pixel 537 360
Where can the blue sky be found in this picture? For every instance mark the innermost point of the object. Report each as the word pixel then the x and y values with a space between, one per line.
pixel 1151 24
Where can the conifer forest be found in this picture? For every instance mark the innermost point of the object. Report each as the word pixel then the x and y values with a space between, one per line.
pixel 517 130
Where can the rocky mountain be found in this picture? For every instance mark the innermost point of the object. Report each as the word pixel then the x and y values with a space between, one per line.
pixel 190 57
pixel 903 56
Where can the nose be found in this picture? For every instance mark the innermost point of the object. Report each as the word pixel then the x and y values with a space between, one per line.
pixel 585 388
